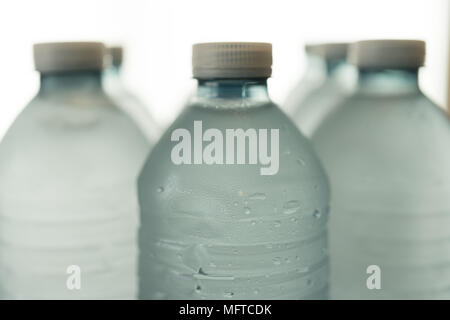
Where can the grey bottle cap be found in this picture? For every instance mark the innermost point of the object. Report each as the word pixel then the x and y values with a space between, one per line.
pixel 68 56
pixel 384 54
pixel 116 54
pixel 328 51
pixel 228 60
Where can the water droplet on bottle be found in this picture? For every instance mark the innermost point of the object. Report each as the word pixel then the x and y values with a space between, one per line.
pixel 301 162
pixel 247 210
pixel 276 261
pixel 291 207
pixel 317 214
pixel 257 196
pixel 256 291
pixel 228 294
pixel 160 189
pixel 253 222
pixel 235 203
pixel 200 271
pixel 277 223
pixel 309 282
pixel 302 270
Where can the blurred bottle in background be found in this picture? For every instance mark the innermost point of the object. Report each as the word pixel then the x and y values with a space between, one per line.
pixel 68 168
pixel 310 108
pixel 218 231
pixel 385 149
pixel 126 100
pixel 313 77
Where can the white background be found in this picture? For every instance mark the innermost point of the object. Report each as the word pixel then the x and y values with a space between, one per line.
pixel 158 36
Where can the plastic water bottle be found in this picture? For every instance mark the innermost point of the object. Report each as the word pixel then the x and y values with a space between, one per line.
pixel 386 150
pixel 314 76
pixel 68 202
pixel 311 108
pixel 234 201
pixel 126 100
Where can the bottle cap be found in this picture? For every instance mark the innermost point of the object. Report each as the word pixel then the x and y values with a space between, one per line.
pixel 385 54
pixel 68 56
pixel 328 51
pixel 228 60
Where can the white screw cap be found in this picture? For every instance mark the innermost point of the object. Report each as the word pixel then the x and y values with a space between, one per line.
pixel 228 60
pixel 68 56
pixel 328 51
pixel 385 54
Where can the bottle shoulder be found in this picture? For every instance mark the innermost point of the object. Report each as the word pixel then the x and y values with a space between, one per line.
pixel 402 139
pixel 297 164
pixel 377 112
pixel 92 117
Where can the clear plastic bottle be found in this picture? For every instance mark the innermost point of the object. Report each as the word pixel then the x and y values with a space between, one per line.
pixel 385 149
pixel 233 231
pixel 313 77
pixel 311 108
pixel 68 168
pixel 126 100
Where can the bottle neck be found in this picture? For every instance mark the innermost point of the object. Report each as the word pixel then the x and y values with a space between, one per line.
pixel 389 81
pixel 61 82
pixel 333 66
pixel 252 90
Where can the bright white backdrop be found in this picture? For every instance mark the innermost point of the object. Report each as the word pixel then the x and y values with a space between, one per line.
pixel 158 35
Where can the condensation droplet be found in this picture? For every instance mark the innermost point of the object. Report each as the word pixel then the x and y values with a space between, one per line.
pixel 228 294
pixel 253 223
pixel 257 196
pixel 291 207
pixel 256 291
pixel 276 261
pixel 301 162
pixel 317 214
pixel 277 223
pixel 160 189
pixel 247 210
